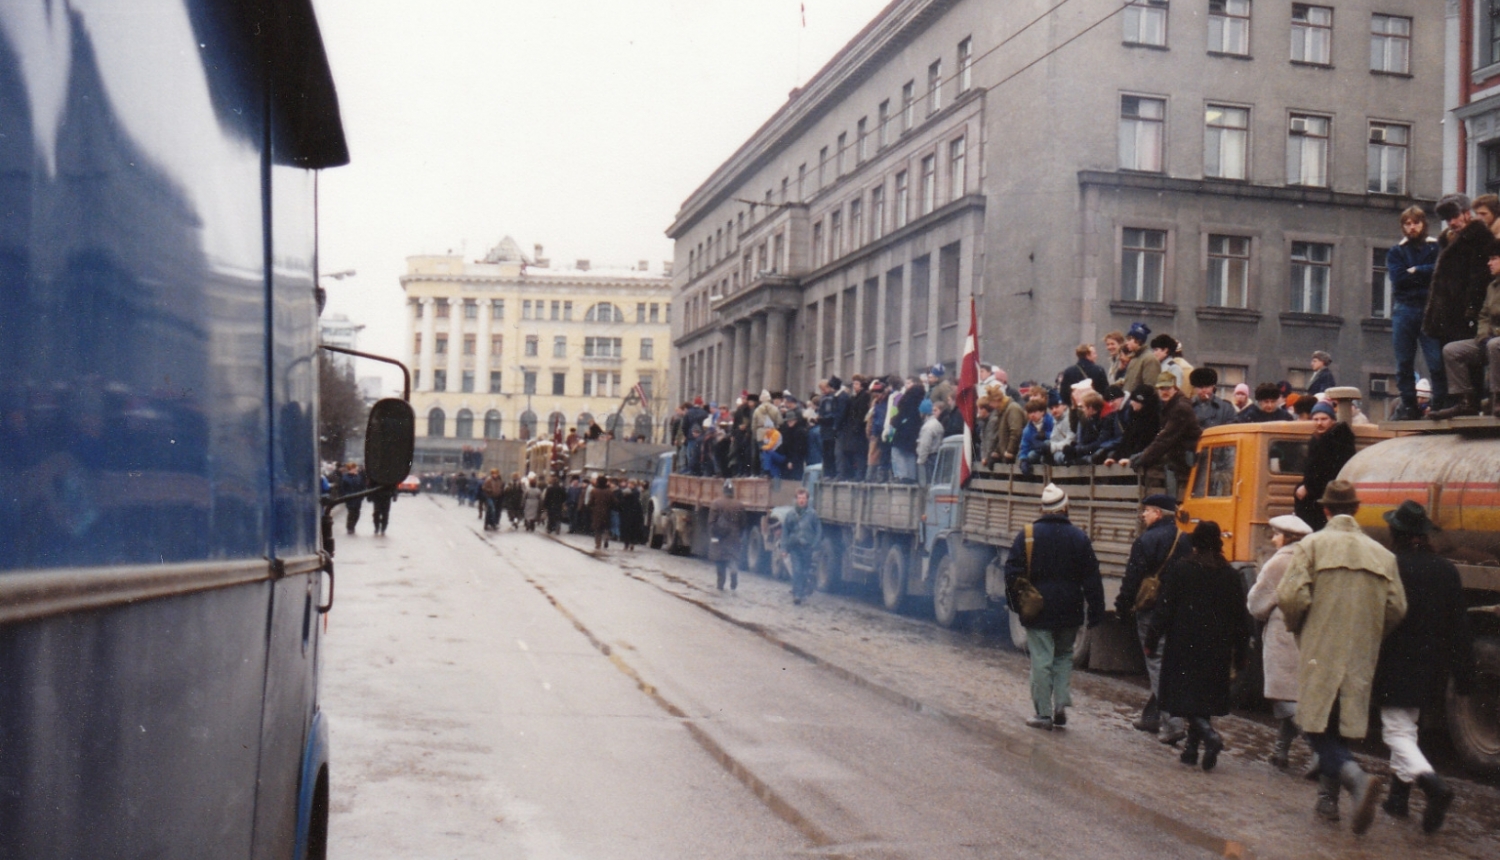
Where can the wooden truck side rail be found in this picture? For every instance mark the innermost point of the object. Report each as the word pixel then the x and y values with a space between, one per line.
pixel 892 507
pixel 755 494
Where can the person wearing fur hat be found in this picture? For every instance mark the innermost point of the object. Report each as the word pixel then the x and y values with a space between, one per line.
pixel 1168 353
pixel 1059 560
pixel 1210 410
pixel 1143 368
pixel 1267 406
pixel 1331 446
pixel 1466 360
pixel 1278 646
pixel 1459 281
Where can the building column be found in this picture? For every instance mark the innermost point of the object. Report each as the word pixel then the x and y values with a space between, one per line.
pixel 429 339
pixel 741 380
pixel 728 355
pixel 757 379
pixel 775 349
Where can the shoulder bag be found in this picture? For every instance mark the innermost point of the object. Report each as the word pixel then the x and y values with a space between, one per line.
pixel 1023 597
pixel 1150 590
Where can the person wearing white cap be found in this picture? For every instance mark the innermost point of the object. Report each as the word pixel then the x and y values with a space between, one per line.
pixel 1058 559
pixel 1278 646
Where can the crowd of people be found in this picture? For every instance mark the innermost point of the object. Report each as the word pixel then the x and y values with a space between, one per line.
pixel 604 507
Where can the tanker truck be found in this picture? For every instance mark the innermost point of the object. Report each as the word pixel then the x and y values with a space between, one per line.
pixel 1453 468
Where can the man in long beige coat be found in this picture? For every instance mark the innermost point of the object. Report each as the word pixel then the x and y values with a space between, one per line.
pixel 1341 595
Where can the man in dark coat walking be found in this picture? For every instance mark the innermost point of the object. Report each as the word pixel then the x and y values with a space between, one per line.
pixel 554 500
pixel 1430 644
pixel 1159 543
pixel 1058 559
pixel 1459 278
pixel 726 523
pixel 351 482
pixel 1331 446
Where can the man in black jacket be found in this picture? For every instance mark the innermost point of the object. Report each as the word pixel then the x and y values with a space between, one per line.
pixel 1331 446
pixel 852 446
pixel 1062 565
pixel 1409 265
pixel 1431 643
pixel 1459 278
pixel 1159 542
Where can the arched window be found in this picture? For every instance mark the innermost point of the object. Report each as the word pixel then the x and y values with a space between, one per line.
pixel 584 420
pixel 612 423
pixel 463 425
pixel 604 312
pixel 528 424
pixel 435 421
pixel 643 426
pixel 492 424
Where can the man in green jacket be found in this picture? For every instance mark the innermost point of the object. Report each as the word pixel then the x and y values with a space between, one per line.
pixel 800 533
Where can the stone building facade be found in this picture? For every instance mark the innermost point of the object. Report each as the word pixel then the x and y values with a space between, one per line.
pixel 1227 171
pixel 512 347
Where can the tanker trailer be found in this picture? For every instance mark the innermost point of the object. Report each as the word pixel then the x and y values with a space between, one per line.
pixel 1456 475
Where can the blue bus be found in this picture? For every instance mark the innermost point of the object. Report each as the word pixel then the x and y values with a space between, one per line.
pixel 162 567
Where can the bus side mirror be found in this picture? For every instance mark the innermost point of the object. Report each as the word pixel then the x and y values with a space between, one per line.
pixel 390 439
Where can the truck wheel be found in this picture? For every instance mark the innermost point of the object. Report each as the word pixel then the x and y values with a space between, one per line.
pixel 826 566
pixel 893 579
pixel 945 593
pixel 759 560
pixel 1474 720
pixel 654 537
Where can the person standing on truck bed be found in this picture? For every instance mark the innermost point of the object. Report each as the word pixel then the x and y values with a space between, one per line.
pixel 1431 644
pixel 852 447
pixel 1341 596
pixel 1331 446
pixel 1062 566
pixel 1267 406
pixel 831 409
pixel 1409 265
pixel 800 533
pixel 1459 280
pixel 1175 443
pixel 1143 368
pixel 1008 419
pixel 726 523
pixel 1158 544
pixel 1210 410
pixel 1466 360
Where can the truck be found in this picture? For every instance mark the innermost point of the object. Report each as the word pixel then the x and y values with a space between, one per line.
pixel 678 514
pixel 634 460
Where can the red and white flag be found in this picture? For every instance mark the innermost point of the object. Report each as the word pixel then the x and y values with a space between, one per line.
pixel 968 392
pixel 640 394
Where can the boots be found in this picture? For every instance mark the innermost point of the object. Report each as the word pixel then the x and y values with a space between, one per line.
pixel 1439 796
pixel 1150 719
pixel 1213 744
pixel 1281 754
pixel 734 578
pixel 1189 754
pixel 721 577
pixel 1364 793
pixel 1328 798
pixel 1396 802
pixel 1458 408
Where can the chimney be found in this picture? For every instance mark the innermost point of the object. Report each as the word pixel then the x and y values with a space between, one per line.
pixel 643 266
pixel 538 259
pixel 581 265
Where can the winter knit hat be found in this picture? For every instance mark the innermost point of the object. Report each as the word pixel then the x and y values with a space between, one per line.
pixel 1242 388
pixel 1325 409
pixel 1139 332
pixel 1053 499
pixel 925 407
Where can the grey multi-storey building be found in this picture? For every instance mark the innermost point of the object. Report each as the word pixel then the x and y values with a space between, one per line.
pixel 1227 171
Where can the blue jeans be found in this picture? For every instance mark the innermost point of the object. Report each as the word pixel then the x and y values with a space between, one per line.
pixel 802 572
pixel 1406 336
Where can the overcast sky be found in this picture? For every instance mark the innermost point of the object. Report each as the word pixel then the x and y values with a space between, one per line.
pixel 578 124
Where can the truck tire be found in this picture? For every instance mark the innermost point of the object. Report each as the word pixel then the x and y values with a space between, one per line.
pixel 1474 720
pixel 654 537
pixel 826 566
pixel 893 579
pixel 945 593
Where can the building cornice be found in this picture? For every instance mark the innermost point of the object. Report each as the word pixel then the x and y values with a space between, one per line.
pixel 1247 191
pixel 645 284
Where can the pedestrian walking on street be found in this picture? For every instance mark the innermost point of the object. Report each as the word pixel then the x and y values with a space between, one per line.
pixel 632 516
pixel 1059 560
pixel 554 502
pixel 726 522
pixel 532 505
pixel 490 492
pixel 1430 645
pixel 1341 596
pixel 515 500
pixel 601 505
pixel 1202 616
pixel 800 533
pixel 1278 646
pixel 380 508
pixel 1158 544
pixel 351 482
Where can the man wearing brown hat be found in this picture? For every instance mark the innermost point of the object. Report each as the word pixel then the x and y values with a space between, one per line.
pixel 1341 596
pixel 1173 447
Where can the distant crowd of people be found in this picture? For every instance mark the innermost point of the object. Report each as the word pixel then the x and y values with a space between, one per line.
pixel 607 508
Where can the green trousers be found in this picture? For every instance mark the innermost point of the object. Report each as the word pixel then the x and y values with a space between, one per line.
pixel 1051 668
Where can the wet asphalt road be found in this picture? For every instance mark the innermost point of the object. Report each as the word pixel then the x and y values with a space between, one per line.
pixel 513 695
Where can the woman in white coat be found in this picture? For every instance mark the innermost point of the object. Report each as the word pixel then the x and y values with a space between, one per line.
pixel 1278 645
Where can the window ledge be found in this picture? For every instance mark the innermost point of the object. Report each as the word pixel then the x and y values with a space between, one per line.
pixel 1230 55
pixel 1376 324
pixel 1307 65
pixel 1484 73
pixel 1126 307
pixel 1305 320
pixel 1385 74
pixel 1146 45
pixel 1226 314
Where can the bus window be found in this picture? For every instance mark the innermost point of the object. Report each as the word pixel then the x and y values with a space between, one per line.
pixel 1288 456
pixel 1221 471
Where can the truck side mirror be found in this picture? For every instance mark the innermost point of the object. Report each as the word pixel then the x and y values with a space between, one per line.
pixel 390 440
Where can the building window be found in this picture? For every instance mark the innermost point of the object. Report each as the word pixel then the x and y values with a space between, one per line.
pixel 601 383
pixel 531 345
pixel 442 309
pixel 1390 44
pixel 801 182
pixel 497 344
pixel 604 312
pixel 1141 122
pixel 822 168
pixel 466 382
pixel 1226 142
pixel 1312 263
pixel 1228 271
pixel 654 311
pixel 965 64
pixel 1229 27
pixel 856 222
pixel 497 309
pixel 559 384
pixel 647 349
pixel 568 311
pixel 416 379
pixel 1380 285
pixel 883 124
pixel 877 212
pixel 469 346
pixel 908 105
pixel 560 346
pixel 417 307
pixel 861 140
pixel 640 312
pixel 836 234
pixel 1312 34
pixel 416 346
pixel 1489 25
pixel 778 250
pixel 957 177
pixel 471 309
pixel 841 146
pixel 817 244
pixel 556 311
pixel 1307 150
pixel 440 380
pixel 1387 158
pixel 494 382
pixel 1146 23
pixel 528 382
pixel 929 184
pixel 492 424
pixel 435 421
pixel 934 87
pixel 602 347
pixel 903 198
pixel 526 305
pixel 440 344
pixel 1143 256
